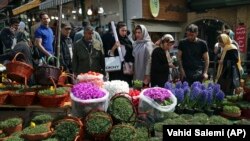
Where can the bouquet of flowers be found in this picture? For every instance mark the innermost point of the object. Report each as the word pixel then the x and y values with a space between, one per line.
pixel 88 96
pixel 116 87
pixel 155 101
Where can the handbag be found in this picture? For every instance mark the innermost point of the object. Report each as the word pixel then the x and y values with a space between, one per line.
pixel 128 68
pixel 112 64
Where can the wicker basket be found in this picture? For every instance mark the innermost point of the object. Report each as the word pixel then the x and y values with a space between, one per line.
pixel 37 137
pixel 19 71
pixel 14 129
pixel 79 136
pixel 103 115
pixel 22 99
pixel 3 97
pixel 44 73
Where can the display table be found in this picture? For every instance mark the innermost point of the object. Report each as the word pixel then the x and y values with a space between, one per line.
pixel 27 112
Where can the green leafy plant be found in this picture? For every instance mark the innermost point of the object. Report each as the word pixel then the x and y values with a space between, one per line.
pixel 123 132
pixel 98 123
pixel 36 130
pixel 52 91
pixel 243 122
pixel 2 135
pixel 141 134
pixel 42 118
pixel 14 138
pixel 66 130
pixel 121 109
pixel 11 122
pixel 170 115
pixel 51 139
pixel 231 109
pixel 218 120
pixel 243 104
pixel 137 84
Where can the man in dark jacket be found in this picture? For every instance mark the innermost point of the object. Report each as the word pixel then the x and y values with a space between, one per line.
pixel 66 47
pixel 7 36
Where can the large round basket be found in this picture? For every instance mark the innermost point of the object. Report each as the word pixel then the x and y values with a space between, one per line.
pixel 22 99
pixel 97 115
pixel 43 74
pixel 19 71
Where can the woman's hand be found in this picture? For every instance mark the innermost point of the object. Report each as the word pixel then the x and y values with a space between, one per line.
pixel 115 46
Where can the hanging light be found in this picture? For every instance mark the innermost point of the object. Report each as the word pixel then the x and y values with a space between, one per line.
pixel 73 11
pixel 29 20
pixel 52 17
pixel 74 17
pixel 100 10
pixel 89 12
pixel 80 11
pixel 63 16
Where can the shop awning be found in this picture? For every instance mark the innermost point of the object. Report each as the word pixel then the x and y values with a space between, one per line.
pixel 159 26
pixel 25 7
pixel 51 3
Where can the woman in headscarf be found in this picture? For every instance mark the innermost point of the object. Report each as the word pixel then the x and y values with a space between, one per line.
pixel 142 49
pixel 126 47
pixel 228 73
pixel 160 61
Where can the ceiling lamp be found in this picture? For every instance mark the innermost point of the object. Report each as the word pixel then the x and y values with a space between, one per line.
pixel 100 10
pixel 89 12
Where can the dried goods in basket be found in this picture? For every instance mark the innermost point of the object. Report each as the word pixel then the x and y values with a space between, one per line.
pixel 19 71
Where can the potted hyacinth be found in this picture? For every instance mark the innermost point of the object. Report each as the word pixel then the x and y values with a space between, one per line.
pixel 196 98
pixel 156 101
pixel 116 87
pixel 88 96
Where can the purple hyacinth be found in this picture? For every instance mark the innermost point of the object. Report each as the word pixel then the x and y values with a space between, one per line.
pixel 195 93
pixel 179 94
pixel 203 96
pixel 216 88
pixel 196 84
pixel 219 96
pixel 168 86
pixel 178 85
pixel 209 96
pixel 185 84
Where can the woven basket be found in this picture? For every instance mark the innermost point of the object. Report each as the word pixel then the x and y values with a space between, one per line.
pixel 12 130
pixel 37 137
pixel 103 115
pixel 79 136
pixel 3 97
pixel 22 99
pixel 19 71
pixel 45 72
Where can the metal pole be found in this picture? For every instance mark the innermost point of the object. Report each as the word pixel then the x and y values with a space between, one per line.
pixel 59 34
pixel 83 9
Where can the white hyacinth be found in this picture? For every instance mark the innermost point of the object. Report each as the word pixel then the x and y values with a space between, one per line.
pixel 116 86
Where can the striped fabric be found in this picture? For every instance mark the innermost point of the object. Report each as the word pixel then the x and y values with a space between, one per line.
pixel 51 3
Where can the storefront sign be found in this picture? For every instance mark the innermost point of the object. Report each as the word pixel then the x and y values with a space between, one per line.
pixel 240 37
pixel 154 7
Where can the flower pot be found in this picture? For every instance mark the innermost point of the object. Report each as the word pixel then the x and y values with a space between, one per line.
pixel 22 99
pixel 37 137
pixel 52 101
pixel 230 115
pixel 11 130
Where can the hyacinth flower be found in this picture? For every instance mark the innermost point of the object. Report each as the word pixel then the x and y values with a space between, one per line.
pixel 169 86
